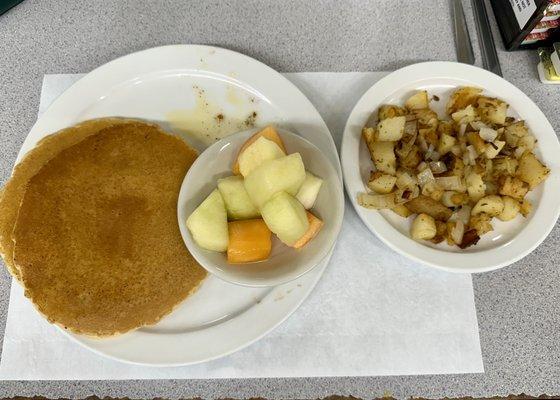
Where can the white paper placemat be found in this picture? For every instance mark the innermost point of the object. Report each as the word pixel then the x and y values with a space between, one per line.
pixel 372 313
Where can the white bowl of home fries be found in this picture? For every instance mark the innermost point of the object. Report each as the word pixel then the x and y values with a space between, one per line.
pixel 452 166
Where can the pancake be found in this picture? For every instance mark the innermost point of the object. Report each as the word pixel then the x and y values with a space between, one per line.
pixel 97 243
pixel 12 193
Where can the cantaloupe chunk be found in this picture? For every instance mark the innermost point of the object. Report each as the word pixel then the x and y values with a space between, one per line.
pixel 315 225
pixel 270 133
pixel 249 240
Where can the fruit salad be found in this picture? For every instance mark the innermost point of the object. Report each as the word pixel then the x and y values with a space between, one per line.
pixel 269 193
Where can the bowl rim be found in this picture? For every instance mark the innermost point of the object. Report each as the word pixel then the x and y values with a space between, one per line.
pixel 316 259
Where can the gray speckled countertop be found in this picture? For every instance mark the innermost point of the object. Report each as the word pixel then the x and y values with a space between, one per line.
pixel 518 307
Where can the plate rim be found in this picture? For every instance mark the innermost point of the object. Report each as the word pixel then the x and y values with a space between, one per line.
pixel 40 129
pixel 381 228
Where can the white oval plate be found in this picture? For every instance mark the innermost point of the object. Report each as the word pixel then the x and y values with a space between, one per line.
pixel 510 241
pixel 168 83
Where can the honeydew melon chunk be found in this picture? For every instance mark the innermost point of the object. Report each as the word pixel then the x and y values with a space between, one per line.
pixel 309 190
pixel 270 133
pixel 237 201
pixel 258 152
pixel 282 174
pixel 285 216
pixel 208 223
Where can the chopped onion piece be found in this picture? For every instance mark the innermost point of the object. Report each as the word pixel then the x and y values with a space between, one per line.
pixel 410 127
pixel 422 166
pixel 488 134
pixel 478 125
pixel 432 154
pixel 471 155
pixel 407 194
pixel 425 177
pixel 376 201
pixel 457 232
pixel 463 214
pixel 405 180
pixel 422 143
pixel 438 167
pixel 519 151
pixel 462 129
pixel 410 117
pixel 450 183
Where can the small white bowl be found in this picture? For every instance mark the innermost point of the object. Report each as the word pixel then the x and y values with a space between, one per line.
pixel 284 263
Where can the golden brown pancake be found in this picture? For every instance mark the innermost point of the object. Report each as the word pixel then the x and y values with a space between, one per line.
pixel 97 242
pixel 12 193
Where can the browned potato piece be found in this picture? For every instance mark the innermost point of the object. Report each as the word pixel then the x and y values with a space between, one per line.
pixel 426 118
pixel 400 209
pixel 504 166
pixel 376 201
pixel 512 187
pixel 482 223
pixel 426 205
pixel 492 110
pixel 390 111
pixel 369 137
pixel 430 136
pixel 412 159
pixel 417 101
pixel 384 157
pixel 462 98
pixel 381 183
pixel 441 232
pixel 531 170
pixel 525 207
pixel 470 238
pixel 445 127
pixel 514 132
pixel 475 139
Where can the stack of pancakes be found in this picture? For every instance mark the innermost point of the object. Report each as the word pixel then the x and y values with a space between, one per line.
pixel 88 226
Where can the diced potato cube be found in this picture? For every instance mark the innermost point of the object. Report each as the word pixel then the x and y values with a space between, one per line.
pixel 511 209
pixel 384 157
pixel 494 148
pixel 381 183
pixel 513 187
pixel 423 227
pixel 525 208
pixel 376 201
pixel 514 132
pixel 505 166
pixel 531 170
pixel 476 141
pixel 400 209
pixel 465 115
pixel 426 118
pixel 475 186
pixel 390 111
pixel 462 98
pixel 391 129
pixel 427 205
pixel 417 101
pixel 446 142
pixel 482 223
pixel 492 205
pixel 492 110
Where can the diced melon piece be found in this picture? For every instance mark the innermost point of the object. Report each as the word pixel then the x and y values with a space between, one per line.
pixel 417 101
pixel 249 241
pixel 270 133
pixel 286 217
pixel 283 174
pixel 315 225
pixel 237 201
pixel 259 151
pixel 208 223
pixel 309 190
pixel 391 129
